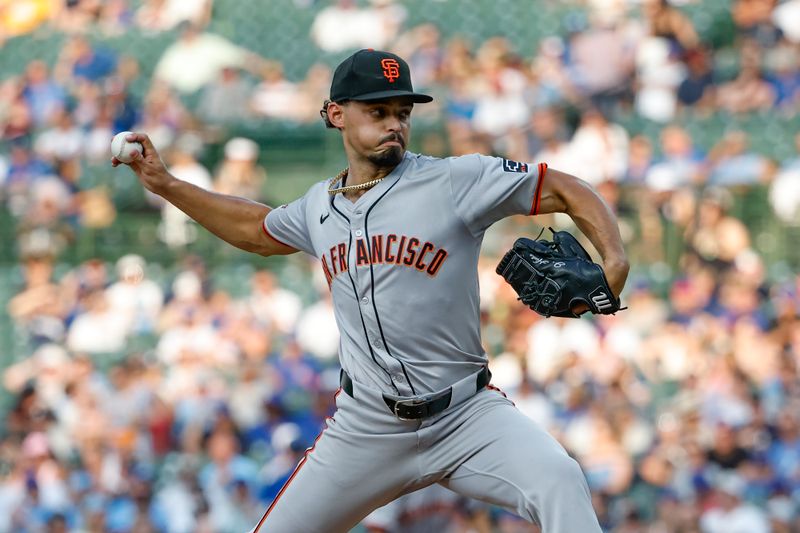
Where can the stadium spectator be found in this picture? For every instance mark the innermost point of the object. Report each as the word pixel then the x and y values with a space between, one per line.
pixel 698 87
pixel 197 59
pixel 730 513
pixel 680 164
pixel 17 121
pixel 87 105
pixel 313 89
pixel 783 63
pixel 784 16
pixel 783 454
pixel 39 306
pixel 750 91
pixel 63 140
pixel 500 104
pixel 96 316
pixel 134 297
pixel 119 103
pixel 239 173
pixel 228 482
pixel 608 468
pixel 162 15
pixel 43 227
pixel 668 22
pixel 96 138
pixel 784 192
pixel 163 114
pixel 422 48
pixel 598 148
pixel 275 96
pixel 345 25
pixel 658 75
pixel 176 228
pixel 316 330
pixel 224 100
pixel 754 19
pixel 79 60
pixel 43 96
pixel 601 62
pixel 553 136
pixel 552 83
pixel 272 305
pixel 735 163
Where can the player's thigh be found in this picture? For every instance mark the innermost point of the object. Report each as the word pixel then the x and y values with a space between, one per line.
pixel 347 474
pixel 506 459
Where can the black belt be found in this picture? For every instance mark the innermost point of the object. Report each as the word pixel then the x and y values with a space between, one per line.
pixel 420 406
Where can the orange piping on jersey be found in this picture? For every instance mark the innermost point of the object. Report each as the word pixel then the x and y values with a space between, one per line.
pixel 296 470
pixel 537 195
pixel 264 228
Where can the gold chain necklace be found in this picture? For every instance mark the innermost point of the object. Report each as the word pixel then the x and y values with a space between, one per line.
pixel 347 188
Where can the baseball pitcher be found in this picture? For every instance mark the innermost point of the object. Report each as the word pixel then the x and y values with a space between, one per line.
pixel 397 235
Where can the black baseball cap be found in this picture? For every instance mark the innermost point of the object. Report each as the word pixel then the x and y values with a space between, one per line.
pixel 372 75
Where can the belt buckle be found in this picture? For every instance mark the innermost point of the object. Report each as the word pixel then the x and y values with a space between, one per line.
pixel 409 402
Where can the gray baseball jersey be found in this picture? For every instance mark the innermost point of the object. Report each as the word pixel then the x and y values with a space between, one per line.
pixel 402 261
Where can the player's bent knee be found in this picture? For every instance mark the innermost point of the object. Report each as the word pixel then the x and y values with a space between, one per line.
pixel 568 471
pixel 558 476
pixel 554 488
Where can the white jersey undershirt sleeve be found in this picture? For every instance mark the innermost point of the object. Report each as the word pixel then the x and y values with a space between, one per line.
pixel 486 189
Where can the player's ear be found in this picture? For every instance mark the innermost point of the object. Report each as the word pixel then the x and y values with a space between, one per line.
pixel 335 115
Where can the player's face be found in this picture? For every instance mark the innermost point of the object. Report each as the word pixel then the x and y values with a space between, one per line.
pixel 378 130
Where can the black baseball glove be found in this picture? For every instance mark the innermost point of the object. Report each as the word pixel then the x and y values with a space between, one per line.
pixel 552 278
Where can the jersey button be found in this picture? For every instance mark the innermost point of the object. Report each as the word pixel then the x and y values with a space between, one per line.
pixel 365 300
pixel 359 233
pixel 376 343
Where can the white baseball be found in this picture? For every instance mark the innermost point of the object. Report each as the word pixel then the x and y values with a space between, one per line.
pixel 121 148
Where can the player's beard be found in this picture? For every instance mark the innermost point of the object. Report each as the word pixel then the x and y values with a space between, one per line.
pixel 391 156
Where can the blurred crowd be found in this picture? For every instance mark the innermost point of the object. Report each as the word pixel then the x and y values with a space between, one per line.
pixel 151 397
pixel 566 104
pixel 196 433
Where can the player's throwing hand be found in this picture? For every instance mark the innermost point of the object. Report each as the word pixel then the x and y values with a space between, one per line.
pixel 147 165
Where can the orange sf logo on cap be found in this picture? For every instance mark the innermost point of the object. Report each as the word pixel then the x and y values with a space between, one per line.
pixel 391 69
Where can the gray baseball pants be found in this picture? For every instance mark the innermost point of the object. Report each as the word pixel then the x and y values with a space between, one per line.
pixel 483 448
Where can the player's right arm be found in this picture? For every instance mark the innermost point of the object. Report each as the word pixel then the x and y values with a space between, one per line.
pixel 235 220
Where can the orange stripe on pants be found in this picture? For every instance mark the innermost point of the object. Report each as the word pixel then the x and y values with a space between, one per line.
pixel 296 470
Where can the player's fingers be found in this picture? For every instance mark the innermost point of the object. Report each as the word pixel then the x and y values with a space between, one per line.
pixel 143 139
pixel 580 308
pixel 115 162
pixel 136 156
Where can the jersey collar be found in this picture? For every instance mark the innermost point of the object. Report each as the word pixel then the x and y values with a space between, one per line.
pixel 377 191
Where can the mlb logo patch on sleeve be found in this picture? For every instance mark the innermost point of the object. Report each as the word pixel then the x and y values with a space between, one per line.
pixel 513 166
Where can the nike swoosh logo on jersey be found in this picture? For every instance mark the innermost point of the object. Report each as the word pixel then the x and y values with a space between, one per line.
pixel 324 217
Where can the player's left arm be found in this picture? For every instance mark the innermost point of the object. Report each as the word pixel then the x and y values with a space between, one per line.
pixel 564 193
